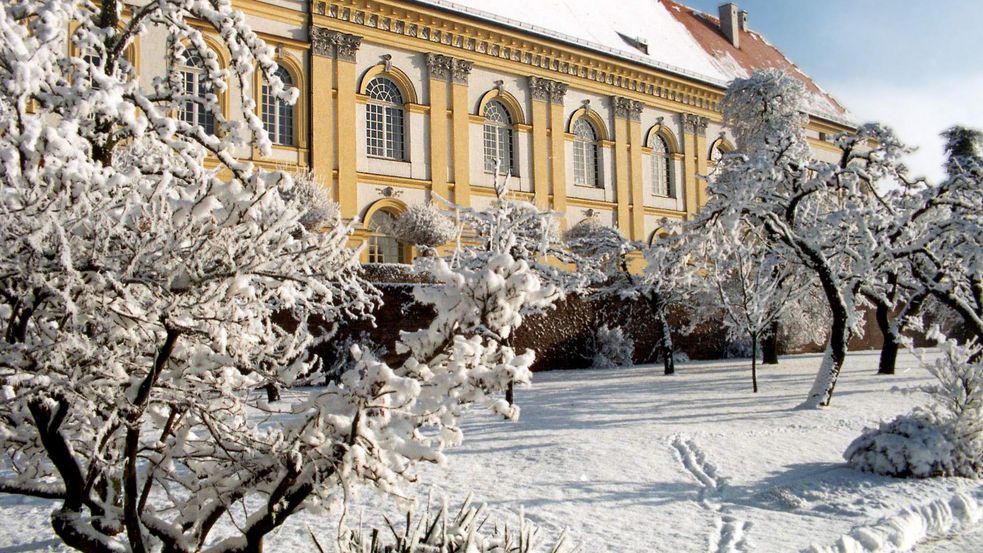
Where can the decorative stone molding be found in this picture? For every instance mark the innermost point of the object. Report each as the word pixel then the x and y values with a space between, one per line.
pixel 558 91
pixel 626 108
pixel 322 43
pixel 539 88
pixel 547 90
pixel 460 70
pixel 346 46
pixel 694 124
pixel 328 43
pixel 439 66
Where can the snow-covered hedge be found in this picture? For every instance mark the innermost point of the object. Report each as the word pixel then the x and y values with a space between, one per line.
pixel 946 439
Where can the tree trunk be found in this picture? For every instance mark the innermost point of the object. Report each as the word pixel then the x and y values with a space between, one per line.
pixel 889 351
pixel 769 346
pixel 510 393
pixel 272 392
pixel 824 384
pixel 754 363
pixel 665 346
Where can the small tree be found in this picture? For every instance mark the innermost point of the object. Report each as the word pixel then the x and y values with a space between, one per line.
pixel 665 281
pixel 751 287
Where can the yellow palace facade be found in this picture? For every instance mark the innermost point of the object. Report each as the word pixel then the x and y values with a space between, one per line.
pixel 595 115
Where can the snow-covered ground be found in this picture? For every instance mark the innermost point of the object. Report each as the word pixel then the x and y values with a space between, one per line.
pixel 632 461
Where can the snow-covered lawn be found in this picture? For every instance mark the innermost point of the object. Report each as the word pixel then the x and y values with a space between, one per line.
pixel 632 461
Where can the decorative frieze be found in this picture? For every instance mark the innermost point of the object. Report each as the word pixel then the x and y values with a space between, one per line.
pixel 547 90
pixel 528 51
pixel 694 124
pixel 626 108
pixel 328 43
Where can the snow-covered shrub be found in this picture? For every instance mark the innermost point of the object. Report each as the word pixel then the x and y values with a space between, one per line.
pixel 311 191
pixel 913 445
pixel 422 225
pixel 466 529
pixel 612 348
pixel 944 439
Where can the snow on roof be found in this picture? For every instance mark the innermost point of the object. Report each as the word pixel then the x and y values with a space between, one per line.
pixel 657 33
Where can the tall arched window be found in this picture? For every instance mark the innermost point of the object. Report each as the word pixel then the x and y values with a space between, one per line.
pixel 383 248
pixel 384 119
pixel 585 151
pixel 662 184
pixel 498 138
pixel 278 116
pixel 196 85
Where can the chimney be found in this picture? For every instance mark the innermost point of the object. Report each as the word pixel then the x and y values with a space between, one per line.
pixel 729 23
pixel 743 19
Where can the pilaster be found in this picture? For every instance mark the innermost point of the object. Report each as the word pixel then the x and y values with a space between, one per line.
pixel 693 127
pixel 343 46
pixel 702 166
pixel 540 142
pixel 322 104
pixel 439 70
pixel 622 170
pixel 556 91
pixel 461 123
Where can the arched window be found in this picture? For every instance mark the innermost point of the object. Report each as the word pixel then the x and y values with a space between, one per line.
pixel 498 138
pixel 662 184
pixel 278 116
pixel 384 119
pixel 196 85
pixel 585 153
pixel 383 248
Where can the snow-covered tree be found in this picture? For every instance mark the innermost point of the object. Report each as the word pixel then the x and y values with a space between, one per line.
pixel 664 282
pixel 821 216
pixel 422 225
pixel 751 287
pixel 139 286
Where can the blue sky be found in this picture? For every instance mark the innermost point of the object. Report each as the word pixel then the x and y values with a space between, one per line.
pixel 915 65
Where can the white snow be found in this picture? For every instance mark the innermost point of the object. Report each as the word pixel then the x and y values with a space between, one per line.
pixel 632 461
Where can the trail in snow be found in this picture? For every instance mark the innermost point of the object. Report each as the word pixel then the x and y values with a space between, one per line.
pixel 730 531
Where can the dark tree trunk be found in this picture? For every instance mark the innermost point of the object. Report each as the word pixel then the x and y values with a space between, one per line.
pixel 272 392
pixel 769 346
pixel 754 363
pixel 889 351
pixel 665 344
pixel 510 393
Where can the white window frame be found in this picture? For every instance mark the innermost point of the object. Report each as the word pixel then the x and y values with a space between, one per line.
pixel 385 125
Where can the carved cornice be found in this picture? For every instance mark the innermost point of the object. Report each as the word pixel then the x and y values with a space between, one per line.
pixel 694 124
pixel 546 90
pixel 626 108
pixel 571 63
pixel 439 66
pixel 328 43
